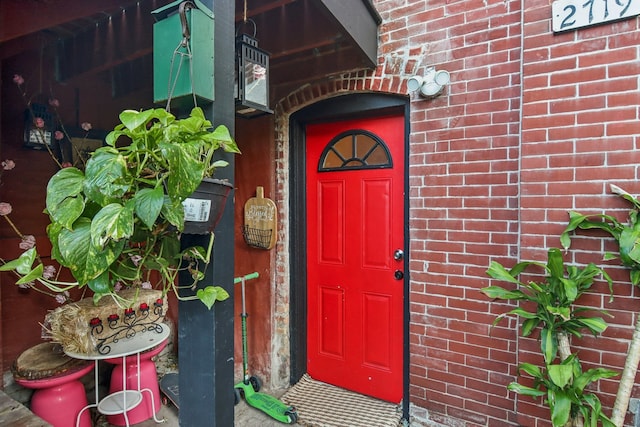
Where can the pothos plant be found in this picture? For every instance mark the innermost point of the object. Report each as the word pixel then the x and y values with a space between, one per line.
pixel 551 309
pixel 117 224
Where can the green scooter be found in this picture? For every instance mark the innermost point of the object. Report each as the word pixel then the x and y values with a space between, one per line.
pixel 249 387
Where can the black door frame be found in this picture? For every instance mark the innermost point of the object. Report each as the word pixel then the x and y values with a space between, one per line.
pixel 352 106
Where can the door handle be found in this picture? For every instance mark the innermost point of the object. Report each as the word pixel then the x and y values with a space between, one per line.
pixel 398 254
pixel 398 274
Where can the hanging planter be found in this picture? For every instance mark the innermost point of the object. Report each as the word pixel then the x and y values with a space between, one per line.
pixel 204 208
pixel 183 60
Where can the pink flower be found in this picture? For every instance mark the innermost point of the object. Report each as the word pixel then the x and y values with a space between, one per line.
pixel 54 102
pixel 28 241
pixel 8 165
pixel 117 287
pixel 49 272
pixel 26 285
pixel 5 208
pixel 18 79
pixel 62 298
pixel 58 135
pixel 39 122
pixel 135 259
pixel 65 165
pixel 146 285
pixel 86 126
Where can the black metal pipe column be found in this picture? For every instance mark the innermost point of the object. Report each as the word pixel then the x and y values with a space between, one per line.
pixel 205 337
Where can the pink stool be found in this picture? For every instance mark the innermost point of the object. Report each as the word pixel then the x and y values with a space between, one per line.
pixel 59 395
pixel 148 380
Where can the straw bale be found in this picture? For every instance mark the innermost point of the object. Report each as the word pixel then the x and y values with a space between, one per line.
pixel 86 328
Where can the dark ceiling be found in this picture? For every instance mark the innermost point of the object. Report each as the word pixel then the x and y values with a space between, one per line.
pixel 306 39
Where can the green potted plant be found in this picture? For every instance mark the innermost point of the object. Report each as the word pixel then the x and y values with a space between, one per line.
pixel 550 306
pixel 117 224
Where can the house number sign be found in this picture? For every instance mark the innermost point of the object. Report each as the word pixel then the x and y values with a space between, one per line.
pixel 573 14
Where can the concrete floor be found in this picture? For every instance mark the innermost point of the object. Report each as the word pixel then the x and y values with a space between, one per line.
pixel 245 416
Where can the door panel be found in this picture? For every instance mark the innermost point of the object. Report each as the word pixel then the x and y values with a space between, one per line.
pixel 355 211
pixel 376 231
pixel 331 222
pixel 332 325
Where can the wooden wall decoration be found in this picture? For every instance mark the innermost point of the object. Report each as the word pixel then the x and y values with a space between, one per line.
pixel 260 221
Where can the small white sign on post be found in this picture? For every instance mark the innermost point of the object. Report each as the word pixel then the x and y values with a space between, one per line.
pixel 196 210
pixel 573 14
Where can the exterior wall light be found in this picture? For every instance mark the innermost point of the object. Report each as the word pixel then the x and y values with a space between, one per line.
pixel 252 78
pixel 431 84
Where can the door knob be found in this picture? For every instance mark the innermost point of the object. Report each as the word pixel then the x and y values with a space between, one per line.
pixel 398 274
pixel 398 254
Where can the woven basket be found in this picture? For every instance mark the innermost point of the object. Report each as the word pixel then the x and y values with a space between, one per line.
pixel 86 328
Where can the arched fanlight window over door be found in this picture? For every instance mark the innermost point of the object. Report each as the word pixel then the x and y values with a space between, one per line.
pixel 355 149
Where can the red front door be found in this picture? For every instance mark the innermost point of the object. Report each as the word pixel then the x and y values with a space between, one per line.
pixel 355 205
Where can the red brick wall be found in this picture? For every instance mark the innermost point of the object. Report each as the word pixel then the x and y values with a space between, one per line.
pixel 532 125
pixel 579 135
pixel 464 179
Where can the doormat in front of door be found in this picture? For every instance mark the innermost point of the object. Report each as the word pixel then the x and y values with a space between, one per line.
pixel 324 405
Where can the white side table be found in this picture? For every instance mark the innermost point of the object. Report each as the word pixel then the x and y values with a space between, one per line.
pixel 124 400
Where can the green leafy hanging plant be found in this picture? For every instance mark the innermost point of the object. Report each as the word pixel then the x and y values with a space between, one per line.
pixel 117 224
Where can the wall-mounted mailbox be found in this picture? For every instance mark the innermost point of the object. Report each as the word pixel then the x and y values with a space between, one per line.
pixel 183 54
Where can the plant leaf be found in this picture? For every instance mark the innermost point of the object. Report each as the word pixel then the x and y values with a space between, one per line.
pixel 529 326
pixel 84 260
pixel 560 374
pixel 173 211
pixel 524 390
pixel 497 271
pixel 187 170
pixel 548 344
pixel 133 119
pixel 501 293
pixel 100 285
pixel 596 325
pixel 148 205
pixel 23 264
pixel 65 202
pixel 560 405
pixel 32 275
pixel 222 136
pixel 531 369
pixel 555 263
pixel 211 294
pixel 629 246
pixel 107 179
pixel 112 222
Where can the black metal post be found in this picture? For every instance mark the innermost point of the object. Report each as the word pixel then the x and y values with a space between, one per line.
pixel 205 337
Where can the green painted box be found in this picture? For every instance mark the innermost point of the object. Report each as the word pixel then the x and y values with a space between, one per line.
pixel 183 54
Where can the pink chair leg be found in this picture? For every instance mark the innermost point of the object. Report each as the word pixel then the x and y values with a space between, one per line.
pixel 148 380
pixel 60 405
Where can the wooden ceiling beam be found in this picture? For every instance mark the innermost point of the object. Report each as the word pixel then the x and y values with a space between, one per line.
pixel 19 18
